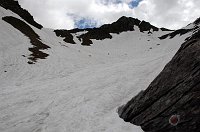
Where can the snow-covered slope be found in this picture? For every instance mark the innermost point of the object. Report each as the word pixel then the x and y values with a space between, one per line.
pixel 76 88
pixel 171 102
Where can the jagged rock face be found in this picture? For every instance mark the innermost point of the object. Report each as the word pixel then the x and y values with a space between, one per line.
pixel 175 91
pixel 16 8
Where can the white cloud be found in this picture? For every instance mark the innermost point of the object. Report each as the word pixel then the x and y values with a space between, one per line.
pixel 168 13
pixel 162 13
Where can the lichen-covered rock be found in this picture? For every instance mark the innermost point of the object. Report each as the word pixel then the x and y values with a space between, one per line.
pixel 175 91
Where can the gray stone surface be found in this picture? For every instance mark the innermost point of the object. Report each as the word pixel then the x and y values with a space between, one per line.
pixel 175 91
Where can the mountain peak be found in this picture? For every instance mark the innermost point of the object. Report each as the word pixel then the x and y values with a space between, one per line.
pixel 128 19
pixel 128 23
pixel 123 24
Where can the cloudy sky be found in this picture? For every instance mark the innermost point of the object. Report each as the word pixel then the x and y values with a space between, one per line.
pixel 68 14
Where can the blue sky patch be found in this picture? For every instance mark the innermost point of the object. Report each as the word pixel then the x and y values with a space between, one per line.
pixel 85 23
pixel 134 3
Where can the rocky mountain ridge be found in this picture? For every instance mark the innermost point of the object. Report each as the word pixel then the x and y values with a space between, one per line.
pixel 123 24
pixel 86 36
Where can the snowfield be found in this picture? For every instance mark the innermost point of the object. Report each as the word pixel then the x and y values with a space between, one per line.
pixel 77 88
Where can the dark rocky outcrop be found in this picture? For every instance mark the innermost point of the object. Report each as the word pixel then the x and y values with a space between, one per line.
pixel 146 26
pixel 195 36
pixel 183 31
pixel 123 24
pixel 16 8
pixel 177 32
pixel 66 35
pixel 34 38
pixel 165 29
pixel 175 91
pixel 96 33
pixel 197 21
